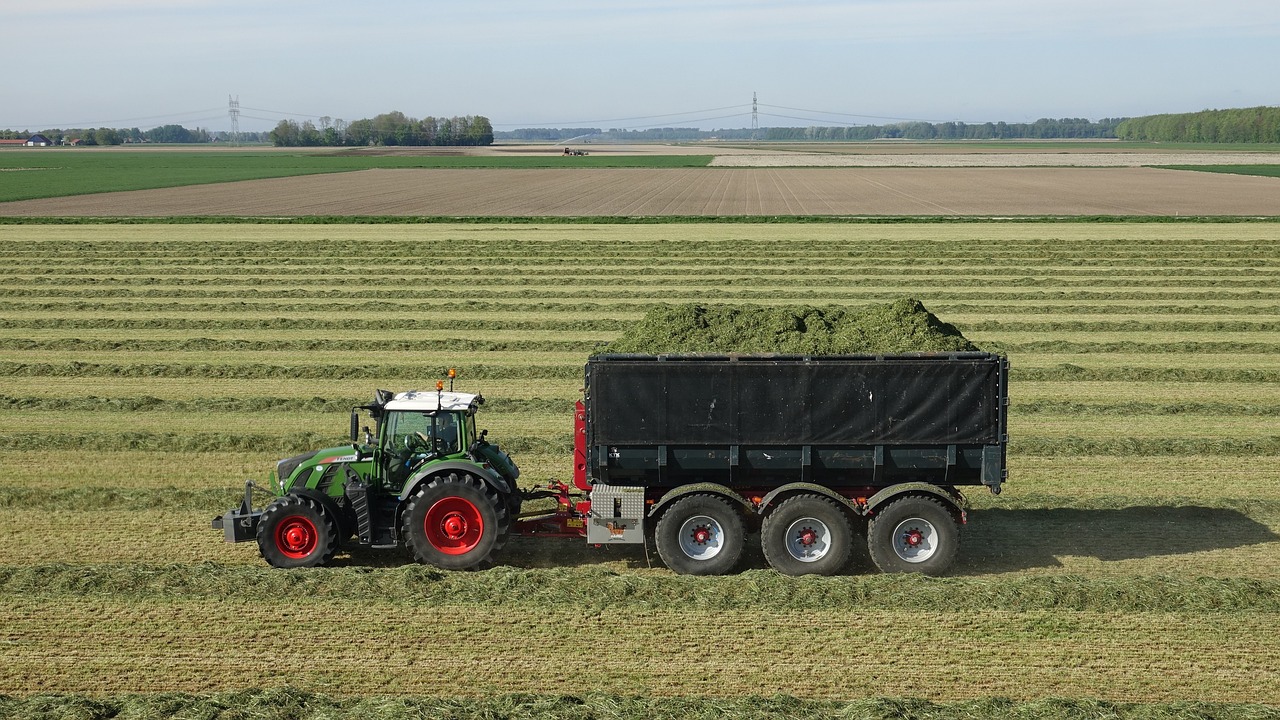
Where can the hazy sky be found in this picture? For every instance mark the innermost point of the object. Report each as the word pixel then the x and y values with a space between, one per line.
pixel 143 63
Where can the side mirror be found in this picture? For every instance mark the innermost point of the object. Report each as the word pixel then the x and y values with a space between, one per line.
pixel 355 426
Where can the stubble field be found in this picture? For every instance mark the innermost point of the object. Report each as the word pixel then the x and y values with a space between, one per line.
pixel 148 369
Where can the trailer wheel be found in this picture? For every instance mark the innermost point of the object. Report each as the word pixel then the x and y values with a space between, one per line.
pixel 807 535
pixel 455 522
pixel 296 532
pixel 700 535
pixel 913 534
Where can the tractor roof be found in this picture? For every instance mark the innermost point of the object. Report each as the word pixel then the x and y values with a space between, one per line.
pixel 429 400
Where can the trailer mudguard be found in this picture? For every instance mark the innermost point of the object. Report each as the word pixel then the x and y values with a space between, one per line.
pixel 711 488
pixel 775 493
pixel 954 500
pixel 492 479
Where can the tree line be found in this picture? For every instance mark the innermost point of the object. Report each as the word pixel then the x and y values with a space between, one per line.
pixel 393 128
pixel 1240 125
pixel 1044 128
pixel 122 136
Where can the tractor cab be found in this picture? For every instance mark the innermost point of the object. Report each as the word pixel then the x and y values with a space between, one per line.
pixel 416 428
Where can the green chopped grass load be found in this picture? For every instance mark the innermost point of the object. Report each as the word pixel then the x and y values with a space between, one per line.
pixel 897 327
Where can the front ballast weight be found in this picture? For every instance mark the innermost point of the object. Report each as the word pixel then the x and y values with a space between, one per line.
pixel 240 524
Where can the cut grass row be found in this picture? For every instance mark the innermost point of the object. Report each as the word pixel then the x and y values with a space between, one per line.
pixel 545 394
pixel 1231 538
pixel 1176 500
pixel 286 703
pixel 1235 370
pixel 1079 481
pixel 1056 445
pixel 371 338
pixel 584 347
pixel 688 293
pixel 592 588
pixel 552 316
pixel 1018 232
pixel 334 406
pixel 552 425
pixel 45 271
pixel 101 646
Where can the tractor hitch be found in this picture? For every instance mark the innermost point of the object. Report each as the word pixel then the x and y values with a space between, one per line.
pixel 240 524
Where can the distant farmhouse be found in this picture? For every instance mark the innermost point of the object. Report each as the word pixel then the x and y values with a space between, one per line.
pixel 36 140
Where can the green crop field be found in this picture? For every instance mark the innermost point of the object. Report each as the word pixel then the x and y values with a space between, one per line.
pixel 57 172
pixel 1131 568
pixel 1264 170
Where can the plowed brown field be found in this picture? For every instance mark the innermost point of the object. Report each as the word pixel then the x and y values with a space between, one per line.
pixel 697 191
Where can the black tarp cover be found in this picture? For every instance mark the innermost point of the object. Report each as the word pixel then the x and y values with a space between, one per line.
pixel 894 400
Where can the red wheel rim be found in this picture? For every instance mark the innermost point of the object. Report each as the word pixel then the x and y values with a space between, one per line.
pixel 296 536
pixel 453 525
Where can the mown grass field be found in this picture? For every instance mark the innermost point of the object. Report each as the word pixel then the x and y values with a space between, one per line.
pixel 148 369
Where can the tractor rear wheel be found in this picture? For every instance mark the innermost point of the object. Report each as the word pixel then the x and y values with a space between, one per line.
pixel 913 534
pixel 807 535
pixel 295 531
pixel 700 535
pixel 455 522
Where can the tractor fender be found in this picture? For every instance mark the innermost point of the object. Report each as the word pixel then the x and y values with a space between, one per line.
pixel 491 478
pixel 329 504
pixel 778 492
pixel 706 488
pixel 954 501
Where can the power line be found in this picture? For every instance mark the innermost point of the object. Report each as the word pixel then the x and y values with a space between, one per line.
pixel 829 112
pixel 573 123
pixel 281 112
pixel 816 120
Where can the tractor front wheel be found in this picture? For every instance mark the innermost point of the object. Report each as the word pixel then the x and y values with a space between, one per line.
pixel 296 532
pixel 455 522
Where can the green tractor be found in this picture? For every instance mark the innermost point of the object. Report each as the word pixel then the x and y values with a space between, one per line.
pixel 424 479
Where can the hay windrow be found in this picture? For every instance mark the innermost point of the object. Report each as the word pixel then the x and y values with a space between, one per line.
pixel 900 326
pixel 289 703
pixel 591 587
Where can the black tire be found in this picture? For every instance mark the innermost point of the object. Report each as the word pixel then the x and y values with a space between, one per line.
pixel 807 535
pixel 455 522
pixel 701 535
pixel 295 531
pixel 913 534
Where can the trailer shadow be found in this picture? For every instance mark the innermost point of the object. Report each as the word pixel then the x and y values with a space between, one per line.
pixel 998 540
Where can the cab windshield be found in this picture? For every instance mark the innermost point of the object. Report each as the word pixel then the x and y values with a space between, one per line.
pixel 422 433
